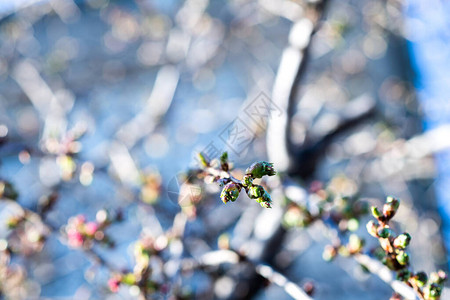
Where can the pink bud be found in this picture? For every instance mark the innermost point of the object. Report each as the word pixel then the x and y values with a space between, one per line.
pixel 91 228
pixel 114 284
pixel 75 238
pixel 79 220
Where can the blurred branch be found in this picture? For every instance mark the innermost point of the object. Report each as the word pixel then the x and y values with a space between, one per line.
pixel 216 258
pixel 286 9
pixel 99 259
pixel 279 279
pixel 302 160
pixel 279 148
pixel 292 66
pixel 156 107
pixel 377 268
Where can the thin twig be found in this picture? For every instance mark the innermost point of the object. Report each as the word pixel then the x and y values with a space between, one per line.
pixel 99 259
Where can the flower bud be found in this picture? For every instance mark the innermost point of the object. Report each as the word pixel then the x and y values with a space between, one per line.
pixel 14 221
pixel 402 241
pixel 129 279
pixel 247 180
pixel 114 284
pixel 259 169
pixel 266 204
pixel 224 161
pixel 394 201
pixel 344 251
pixel 432 291
pixel 390 207
pixel 255 191
pixel 353 224
pixel 355 244
pixel 375 212
pixel 329 253
pixel 291 216
pixel 403 275
pixel 384 232
pixel 421 279
pixel 438 277
pixel 230 192
pixel 372 228
pixel 402 258
pixel 90 228
pixel 204 161
pixel 389 262
pixel 265 200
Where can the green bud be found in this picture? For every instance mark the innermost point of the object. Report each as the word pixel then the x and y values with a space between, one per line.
pixel 260 169
pixel 14 221
pixel 230 192
pixel 403 275
pixel 375 212
pixel 255 191
pixel 343 251
pixel 394 201
pixel 389 262
pixel 421 279
pixel 247 180
pixel 402 241
pixel 204 161
pixel 372 228
pixel 224 161
pixel 390 207
pixel 355 244
pixel 432 291
pixel 384 232
pixel 402 258
pixel 129 279
pixel 265 200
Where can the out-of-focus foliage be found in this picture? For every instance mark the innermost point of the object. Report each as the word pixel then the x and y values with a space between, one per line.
pixel 103 103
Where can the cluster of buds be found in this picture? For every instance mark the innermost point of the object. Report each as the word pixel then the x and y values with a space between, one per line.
pixel 257 192
pixel 65 148
pixel 131 280
pixel 82 234
pixel 67 144
pixel 232 187
pixel 230 192
pixel 324 204
pixel 396 258
pixel 28 233
pixel 433 287
pixel 145 249
pixel 394 254
pixel 354 246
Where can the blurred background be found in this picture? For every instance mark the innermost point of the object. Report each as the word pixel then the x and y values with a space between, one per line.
pixel 105 103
